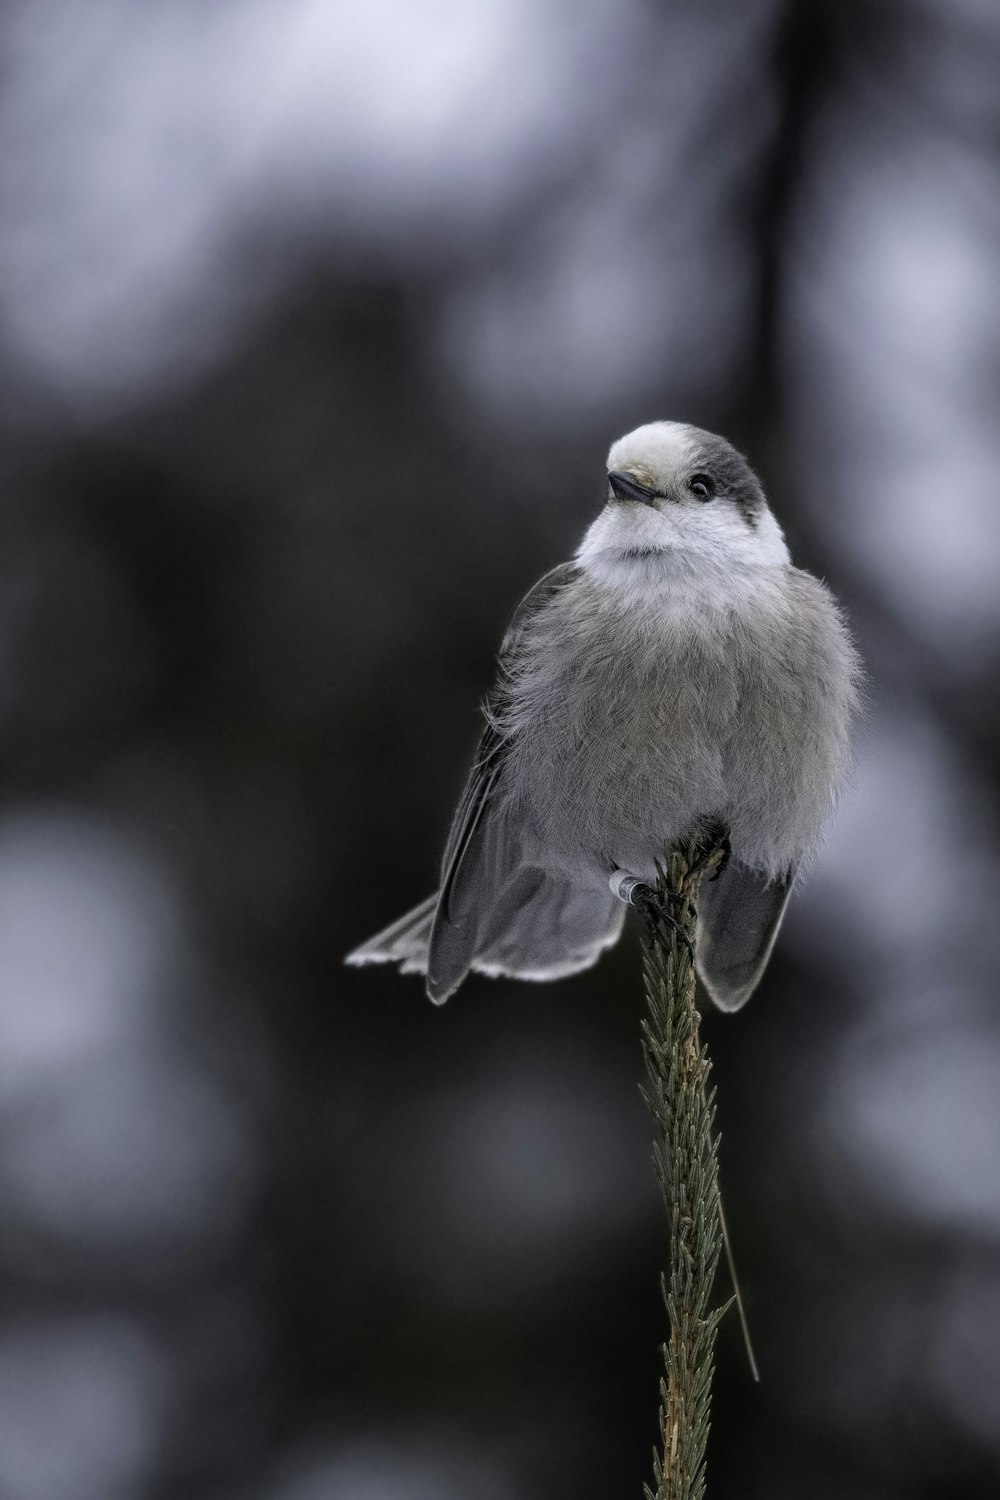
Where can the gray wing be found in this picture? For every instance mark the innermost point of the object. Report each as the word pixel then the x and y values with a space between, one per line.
pixel 482 856
pixel 738 919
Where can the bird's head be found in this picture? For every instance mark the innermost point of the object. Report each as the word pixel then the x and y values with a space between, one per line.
pixel 676 491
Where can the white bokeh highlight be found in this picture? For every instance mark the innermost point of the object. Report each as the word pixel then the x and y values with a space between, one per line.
pixel 83 1407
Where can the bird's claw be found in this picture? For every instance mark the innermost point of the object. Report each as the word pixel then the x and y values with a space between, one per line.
pixel 727 854
pixel 657 910
pixel 715 849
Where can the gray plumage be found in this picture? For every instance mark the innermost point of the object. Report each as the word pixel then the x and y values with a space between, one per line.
pixel 679 671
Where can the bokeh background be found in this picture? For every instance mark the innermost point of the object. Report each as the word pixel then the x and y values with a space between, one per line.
pixel 316 321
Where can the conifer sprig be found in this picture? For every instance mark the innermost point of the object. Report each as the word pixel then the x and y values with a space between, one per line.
pixel 682 1102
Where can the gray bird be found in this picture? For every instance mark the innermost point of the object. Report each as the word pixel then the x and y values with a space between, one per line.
pixel 680 674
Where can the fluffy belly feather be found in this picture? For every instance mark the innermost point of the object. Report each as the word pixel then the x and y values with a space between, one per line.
pixel 615 766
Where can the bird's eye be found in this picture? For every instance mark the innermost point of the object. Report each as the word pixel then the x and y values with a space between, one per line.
pixel 702 485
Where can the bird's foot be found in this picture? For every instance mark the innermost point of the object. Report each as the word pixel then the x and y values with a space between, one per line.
pixel 716 850
pixel 657 910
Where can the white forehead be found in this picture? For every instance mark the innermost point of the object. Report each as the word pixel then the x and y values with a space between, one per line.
pixel 660 446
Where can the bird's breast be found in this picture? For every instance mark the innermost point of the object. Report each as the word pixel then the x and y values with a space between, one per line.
pixel 619 728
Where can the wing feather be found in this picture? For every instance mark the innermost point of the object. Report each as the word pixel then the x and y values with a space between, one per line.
pixel 480 856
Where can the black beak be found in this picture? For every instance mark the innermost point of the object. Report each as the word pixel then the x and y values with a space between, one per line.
pixel 625 487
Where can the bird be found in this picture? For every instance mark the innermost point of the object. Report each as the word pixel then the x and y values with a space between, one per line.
pixel 679 674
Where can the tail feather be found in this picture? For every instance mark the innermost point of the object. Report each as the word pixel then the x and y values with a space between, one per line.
pixel 403 942
pixel 540 927
pixel 555 928
pixel 738 920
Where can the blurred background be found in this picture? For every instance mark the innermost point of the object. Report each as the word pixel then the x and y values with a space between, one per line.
pixel 317 321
